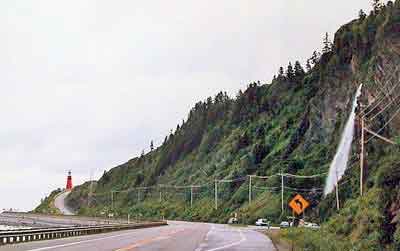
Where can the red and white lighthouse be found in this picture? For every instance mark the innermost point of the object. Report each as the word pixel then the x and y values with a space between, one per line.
pixel 69 181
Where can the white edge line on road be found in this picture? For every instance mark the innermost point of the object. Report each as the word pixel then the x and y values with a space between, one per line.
pixel 242 239
pixel 209 231
pixel 78 242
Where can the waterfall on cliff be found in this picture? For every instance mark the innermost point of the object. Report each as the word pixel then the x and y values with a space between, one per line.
pixel 339 163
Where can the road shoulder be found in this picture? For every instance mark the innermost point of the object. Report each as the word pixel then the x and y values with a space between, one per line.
pixel 279 243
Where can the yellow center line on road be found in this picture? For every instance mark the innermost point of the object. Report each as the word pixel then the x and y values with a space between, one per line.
pixel 143 242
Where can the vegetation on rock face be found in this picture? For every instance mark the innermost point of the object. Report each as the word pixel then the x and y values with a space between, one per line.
pixel 47 204
pixel 80 196
pixel 292 125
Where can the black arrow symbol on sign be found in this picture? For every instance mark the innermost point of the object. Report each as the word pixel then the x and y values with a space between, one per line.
pixel 298 202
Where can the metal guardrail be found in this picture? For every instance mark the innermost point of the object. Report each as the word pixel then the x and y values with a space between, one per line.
pixel 68 220
pixel 18 236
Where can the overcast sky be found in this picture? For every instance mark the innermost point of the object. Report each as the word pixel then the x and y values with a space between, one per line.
pixel 85 85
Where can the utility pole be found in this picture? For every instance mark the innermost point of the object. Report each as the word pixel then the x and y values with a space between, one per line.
pixel 337 192
pixel 191 196
pixel 160 193
pixel 364 130
pixel 138 196
pixel 112 200
pixel 282 190
pixel 90 189
pixel 216 194
pixel 362 156
pixel 249 189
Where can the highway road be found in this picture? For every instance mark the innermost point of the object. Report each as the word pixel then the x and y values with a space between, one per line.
pixel 177 236
pixel 59 202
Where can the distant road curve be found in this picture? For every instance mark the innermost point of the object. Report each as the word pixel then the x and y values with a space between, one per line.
pixel 59 202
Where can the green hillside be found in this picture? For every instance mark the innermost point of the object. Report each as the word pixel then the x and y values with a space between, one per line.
pixel 47 204
pixel 291 125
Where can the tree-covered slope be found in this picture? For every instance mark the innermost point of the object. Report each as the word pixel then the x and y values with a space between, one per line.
pixel 47 204
pixel 291 125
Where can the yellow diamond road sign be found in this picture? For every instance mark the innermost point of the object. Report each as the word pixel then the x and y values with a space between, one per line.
pixel 299 204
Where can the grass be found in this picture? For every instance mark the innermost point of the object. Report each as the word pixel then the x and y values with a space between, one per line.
pixel 280 243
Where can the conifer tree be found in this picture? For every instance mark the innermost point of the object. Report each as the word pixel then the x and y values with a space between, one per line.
pixel 308 65
pixel 362 15
pixel 151 146
pixel 327 44
pixel 298 70
pixel 315 58
pixel 290 72
pixel 280 74
pixel 209 102
pixel 377 6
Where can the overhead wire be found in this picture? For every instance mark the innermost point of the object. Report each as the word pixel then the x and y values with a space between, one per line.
pixel 303 176
pixel 385 95
pixel 384 108
pixel 385 125
pixel 377 103
pixel 304 189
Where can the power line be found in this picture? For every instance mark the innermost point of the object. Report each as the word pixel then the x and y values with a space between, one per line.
pixel 304 176
pixel 381 97
pixel 384 109
pixel 386 124
pixel 233 180
pixel 219 181
pixel 377 103
pixel 264 177
pixel 304 189
pixel 266 188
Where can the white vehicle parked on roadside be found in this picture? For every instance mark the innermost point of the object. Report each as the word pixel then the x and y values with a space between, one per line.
pixel 284 224
pixel 233 220
pixel 311 225
pixel 263 222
